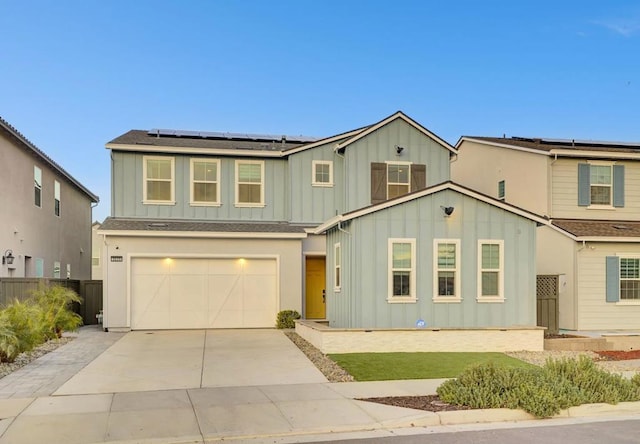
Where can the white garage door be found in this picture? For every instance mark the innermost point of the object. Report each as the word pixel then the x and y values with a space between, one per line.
pixel 203 293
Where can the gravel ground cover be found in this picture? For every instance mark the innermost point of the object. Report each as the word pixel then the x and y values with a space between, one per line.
pixel 25 358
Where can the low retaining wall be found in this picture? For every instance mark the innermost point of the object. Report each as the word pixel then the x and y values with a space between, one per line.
pixel 603 343
pixel 335 340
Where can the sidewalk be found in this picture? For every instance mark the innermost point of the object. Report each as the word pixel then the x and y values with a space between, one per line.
pixel 289 412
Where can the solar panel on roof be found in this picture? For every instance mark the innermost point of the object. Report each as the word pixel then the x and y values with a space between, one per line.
pixel 230 136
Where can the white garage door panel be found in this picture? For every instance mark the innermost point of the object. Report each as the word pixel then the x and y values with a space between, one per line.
pixel 203 293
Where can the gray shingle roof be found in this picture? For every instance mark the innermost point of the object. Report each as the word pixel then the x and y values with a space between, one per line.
pixel 26 143
pixel 599 228
pixel 232 142
pixel 558 144
pixel 168 225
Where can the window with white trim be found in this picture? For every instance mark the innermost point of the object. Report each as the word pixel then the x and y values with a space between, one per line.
pixel 601 184
pixel 629 279
pixel 398 179
pixel 322 171
pixel 205 182
pixel 56 269
pixel 402 274
pixel 56 197
pixel 249 183
pixel 37 184
pixel 337 267
pixel 159 187
pixel 501 190
pixel 446 260
pixel 490 270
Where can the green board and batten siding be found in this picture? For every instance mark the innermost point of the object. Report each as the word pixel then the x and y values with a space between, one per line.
pixel 127 190
pixel 315 204
pixel 362 303
pixel 380 146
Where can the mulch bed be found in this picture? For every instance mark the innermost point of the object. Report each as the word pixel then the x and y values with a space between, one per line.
pixel 618 355
pixel 431 403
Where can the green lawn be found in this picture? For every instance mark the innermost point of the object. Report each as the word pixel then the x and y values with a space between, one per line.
pixel 390 366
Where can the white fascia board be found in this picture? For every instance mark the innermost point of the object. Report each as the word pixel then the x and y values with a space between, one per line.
pixel 500 204
pixel 608 239
pixel 323 142
pixel 398 115
pixel 320 229
pixel 202 234
pixel 433 190
pixel 501 145
pixel 594 154
pixel 192 150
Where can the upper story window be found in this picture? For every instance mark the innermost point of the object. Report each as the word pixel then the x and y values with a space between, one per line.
pixel 158 180
pixel 398 175
pixel 600 184
pixel 249 183
pixel 501 190
pixel 392 179
pixel 322 171
pixel 490 270
pixel 56 197
pixel 37 183
pixel 205 182
pixel 446 254
pixel 56 269
pixel 402 270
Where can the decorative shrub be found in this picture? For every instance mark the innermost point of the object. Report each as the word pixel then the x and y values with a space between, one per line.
pixel 543 392
pixel 57 314
pixel 286 317
pixel 24 318
pixel 8 340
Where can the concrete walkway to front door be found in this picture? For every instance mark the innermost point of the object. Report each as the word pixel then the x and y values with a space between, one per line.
pixel 186 359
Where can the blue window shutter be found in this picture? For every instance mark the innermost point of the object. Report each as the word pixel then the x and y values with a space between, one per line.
pixel 613 279
pixel 584 185
pixel 618 185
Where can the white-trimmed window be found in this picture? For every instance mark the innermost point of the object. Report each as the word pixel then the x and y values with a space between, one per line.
pixel 337 267
pixel 56 269
pixel 601 177
pixel 322 173
pixel 56 197
pixel 501 190
pixel 446 259
pixel 402 270
pixel 398 179
pixel 491 270
pixel 37 184
pixel 205 182
pixel 159 185
pixel 630 279
pixel 249 183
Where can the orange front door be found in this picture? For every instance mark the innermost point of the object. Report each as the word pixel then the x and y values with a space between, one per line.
pixel 315 307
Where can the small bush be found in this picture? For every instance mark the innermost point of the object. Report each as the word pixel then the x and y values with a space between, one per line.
pixel 24 318
pixel 57 315
pixel 8 340
pixel 286 317
pixel 543 392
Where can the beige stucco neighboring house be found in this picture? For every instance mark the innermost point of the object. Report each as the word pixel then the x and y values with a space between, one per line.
pixel 590 192
pixel 45 213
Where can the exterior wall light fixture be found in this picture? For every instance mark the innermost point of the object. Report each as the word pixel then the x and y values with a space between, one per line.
pixel 7 257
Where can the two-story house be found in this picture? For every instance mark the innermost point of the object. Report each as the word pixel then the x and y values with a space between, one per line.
pixel 364 228
pixel 591 193
pixel 45 228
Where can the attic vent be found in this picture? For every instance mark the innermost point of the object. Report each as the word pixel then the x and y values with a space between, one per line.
pixel 157 225
pixel 621 227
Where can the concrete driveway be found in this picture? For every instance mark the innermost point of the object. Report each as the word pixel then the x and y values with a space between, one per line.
pixel 187 359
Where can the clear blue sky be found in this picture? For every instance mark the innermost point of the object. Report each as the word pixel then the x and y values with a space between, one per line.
pixel 76 74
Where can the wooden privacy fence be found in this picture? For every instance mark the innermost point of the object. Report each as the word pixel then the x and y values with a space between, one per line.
pixel 89 291
pixel 547 308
